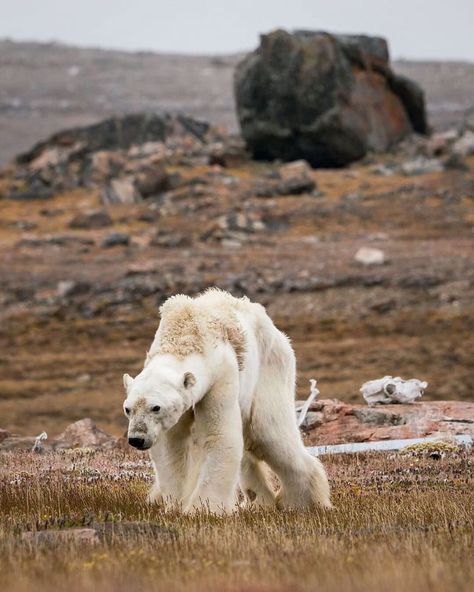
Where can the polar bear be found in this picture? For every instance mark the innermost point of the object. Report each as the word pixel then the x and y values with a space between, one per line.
pixel 214 405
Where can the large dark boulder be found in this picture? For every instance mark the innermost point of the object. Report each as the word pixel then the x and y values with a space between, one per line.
pixel 325 98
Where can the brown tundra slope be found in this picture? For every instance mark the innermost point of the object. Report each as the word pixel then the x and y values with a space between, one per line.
pixel 76 314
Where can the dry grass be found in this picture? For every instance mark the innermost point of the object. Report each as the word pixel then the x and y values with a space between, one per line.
pixel 401 522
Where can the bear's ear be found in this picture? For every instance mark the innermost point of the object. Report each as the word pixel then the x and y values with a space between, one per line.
pixel 189 380
pixel 127 381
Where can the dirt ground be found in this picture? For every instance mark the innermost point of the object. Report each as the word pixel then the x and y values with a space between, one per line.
pixel 64 350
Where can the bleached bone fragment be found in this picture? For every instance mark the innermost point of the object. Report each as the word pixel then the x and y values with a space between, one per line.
pixel 38 445
pixel 313 393
pixel 392 390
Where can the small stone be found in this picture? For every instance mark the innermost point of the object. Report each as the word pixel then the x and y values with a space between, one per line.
pixel 152 181
pixel 121 191
pixel 49 157
pixel 377 236
pixel 105 164
pixel 116 239
pixel 149 216
pixel 293 178
pixel 25 225
pixel 171 240
pixel 438 144
pixel 421 166
pixel 296 178
pixel 353 197
pixel 231 153
pixel 382 170
pixel 52 212
pixel 67 288
pixel 464 146
pixel 456 162
pixel 370 256
pixel 84 378
pixel 91 219
pixel 312 419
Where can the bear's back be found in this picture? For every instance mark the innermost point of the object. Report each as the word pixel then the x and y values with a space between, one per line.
pixel 189 324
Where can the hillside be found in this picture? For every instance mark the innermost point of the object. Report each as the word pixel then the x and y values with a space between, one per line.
pixel 46 87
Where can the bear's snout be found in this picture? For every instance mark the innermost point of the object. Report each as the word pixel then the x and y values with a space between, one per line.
pixel 138 443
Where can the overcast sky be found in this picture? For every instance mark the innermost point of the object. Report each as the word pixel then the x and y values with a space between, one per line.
pixel 438 29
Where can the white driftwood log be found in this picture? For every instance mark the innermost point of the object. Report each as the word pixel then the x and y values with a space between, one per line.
pixel 382 445
pixel 392 390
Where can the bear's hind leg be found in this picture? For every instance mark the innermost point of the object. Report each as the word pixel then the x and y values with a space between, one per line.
pixel 275 433
pixel 304 486
pixel 254 482
pixel 303 479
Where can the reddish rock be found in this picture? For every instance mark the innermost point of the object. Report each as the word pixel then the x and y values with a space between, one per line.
pixel 328 421
pixel 80 434
pixel 83 434
pixel 336 422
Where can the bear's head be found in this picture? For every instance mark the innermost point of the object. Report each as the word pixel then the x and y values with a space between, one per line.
pixel 154 403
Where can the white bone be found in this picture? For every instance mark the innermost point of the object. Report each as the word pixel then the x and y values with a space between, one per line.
pixel 392 390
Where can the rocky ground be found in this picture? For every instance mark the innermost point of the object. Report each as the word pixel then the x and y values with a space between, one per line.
pixel 328 422
pixel 83 275
pixel 369 269
pixel 47 87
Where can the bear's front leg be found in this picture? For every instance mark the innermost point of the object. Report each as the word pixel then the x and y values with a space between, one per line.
pixel 219 436
pixel 170 459
pixel 154 495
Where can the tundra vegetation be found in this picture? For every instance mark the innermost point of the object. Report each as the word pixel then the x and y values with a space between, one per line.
pixel 402 522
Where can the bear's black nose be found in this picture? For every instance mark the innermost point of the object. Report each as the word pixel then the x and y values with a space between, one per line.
pixel 137 443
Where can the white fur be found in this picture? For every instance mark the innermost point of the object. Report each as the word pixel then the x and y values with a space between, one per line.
pixel 223 425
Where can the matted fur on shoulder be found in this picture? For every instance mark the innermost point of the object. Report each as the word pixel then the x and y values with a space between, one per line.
pixel 187 324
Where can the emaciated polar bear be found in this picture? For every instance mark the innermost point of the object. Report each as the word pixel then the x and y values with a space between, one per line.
pixel 215 402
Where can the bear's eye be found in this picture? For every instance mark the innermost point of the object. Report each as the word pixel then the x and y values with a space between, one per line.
pixel 127 411
pixel 156 408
